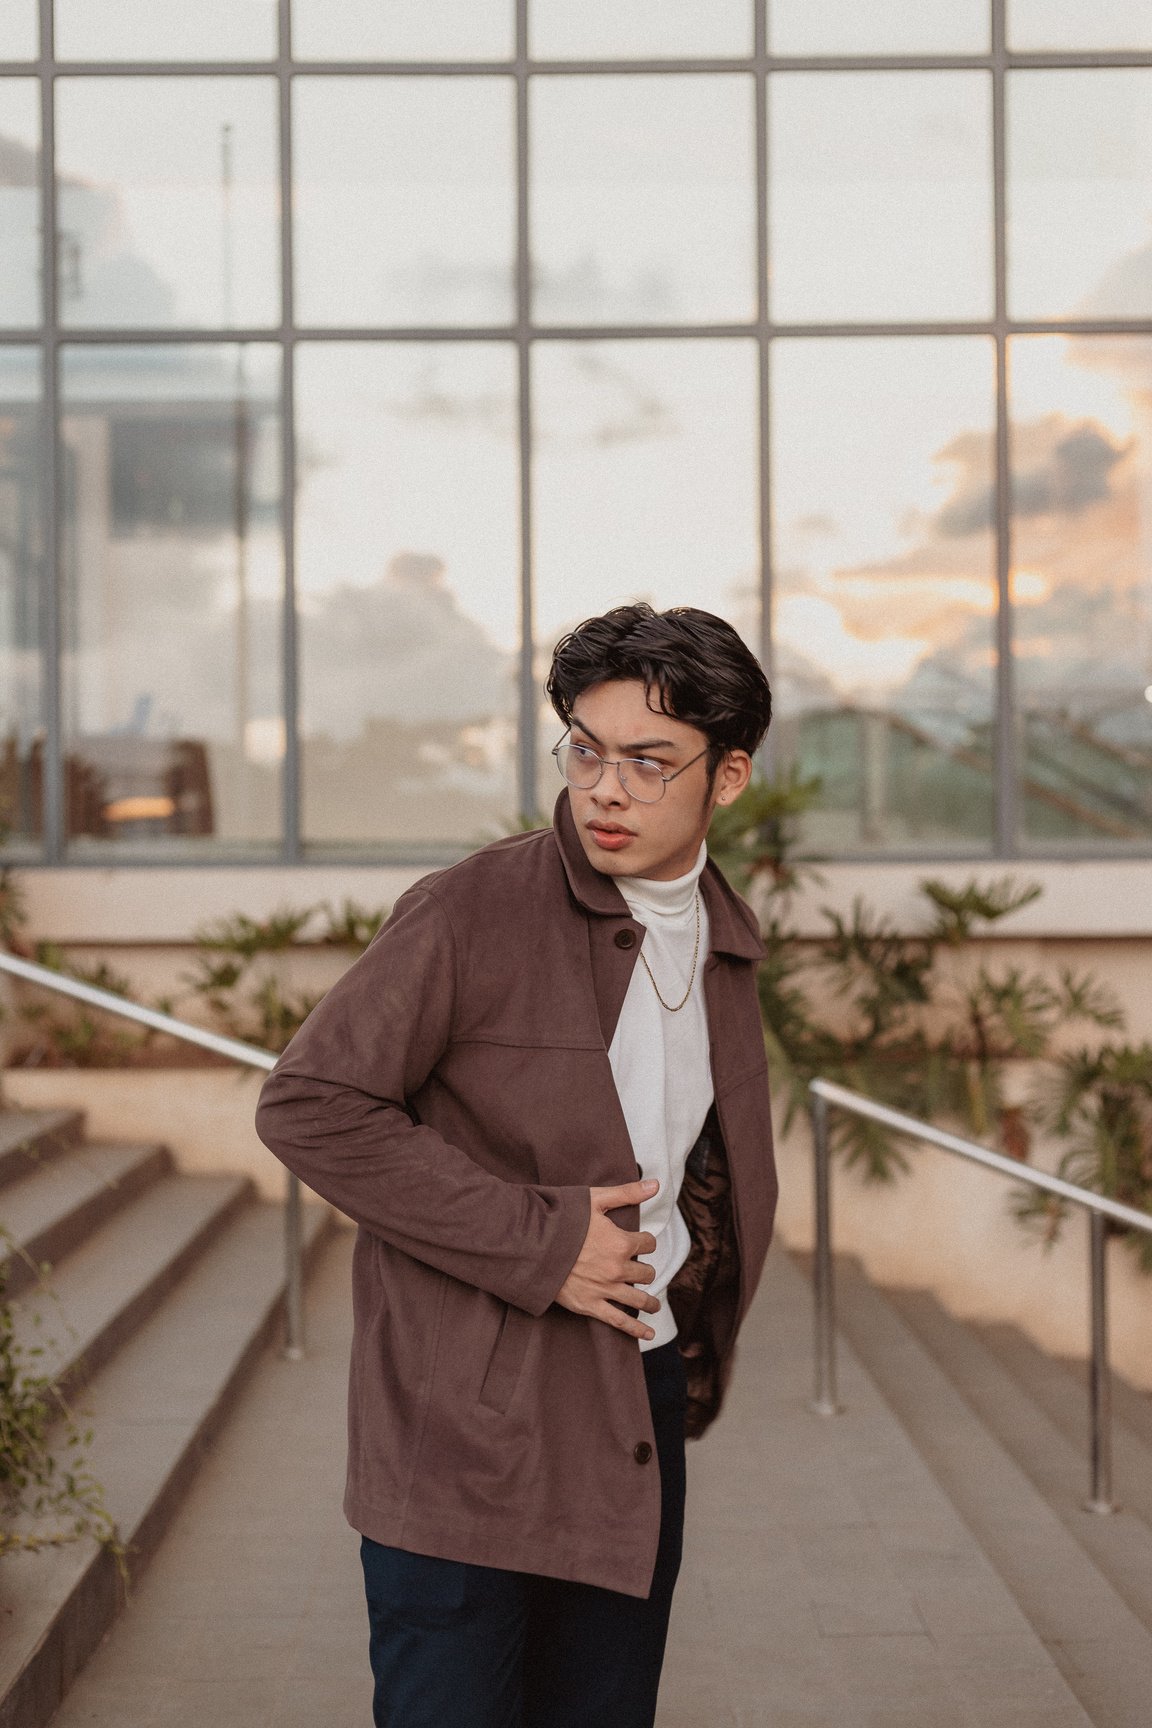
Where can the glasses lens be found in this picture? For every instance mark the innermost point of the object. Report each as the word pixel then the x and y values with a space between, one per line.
pixel 641 779
pixel 579 767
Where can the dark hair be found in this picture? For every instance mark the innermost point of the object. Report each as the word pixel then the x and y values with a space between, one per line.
pixel 698 667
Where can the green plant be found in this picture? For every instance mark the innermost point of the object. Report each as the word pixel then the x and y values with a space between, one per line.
pixel 901 1017
pixel 1100 1101
pixel 13 916
pixel 754 840
pixel 238 973
pixel 48 1494
pixel 350 925
pixel 59 1033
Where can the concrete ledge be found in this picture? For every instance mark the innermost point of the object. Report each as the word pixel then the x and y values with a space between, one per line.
pixel 143 903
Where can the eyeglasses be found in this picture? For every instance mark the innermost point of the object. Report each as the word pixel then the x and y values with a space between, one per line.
pixel 640 777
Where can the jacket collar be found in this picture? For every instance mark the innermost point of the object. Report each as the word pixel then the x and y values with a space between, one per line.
pixel 730 923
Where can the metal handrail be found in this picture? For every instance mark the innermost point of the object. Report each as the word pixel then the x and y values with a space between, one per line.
pixel 249 1055
pixel 1098 1206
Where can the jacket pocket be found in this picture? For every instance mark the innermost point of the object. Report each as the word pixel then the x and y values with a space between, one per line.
pixel 507 1359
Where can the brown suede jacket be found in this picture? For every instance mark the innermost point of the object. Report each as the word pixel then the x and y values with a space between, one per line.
pixel 453 1095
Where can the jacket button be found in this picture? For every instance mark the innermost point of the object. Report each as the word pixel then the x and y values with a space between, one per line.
pixel 642 1452
pixel 625 938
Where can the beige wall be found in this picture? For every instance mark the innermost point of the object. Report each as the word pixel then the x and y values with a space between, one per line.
pixel 1109 900
pixel 1124 963
pixel 946 1227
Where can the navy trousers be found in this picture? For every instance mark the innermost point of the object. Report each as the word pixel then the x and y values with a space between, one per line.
pixel 460 1646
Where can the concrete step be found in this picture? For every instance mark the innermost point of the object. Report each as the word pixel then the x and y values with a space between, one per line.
pixel 1053 1455
pixel 1100 1645
pixel 50 1211
pixel 827 1582
pixel 154 1407
pixel 29 1138
pixel 108 1286
pixel 1059 1386
pixel 1134 1408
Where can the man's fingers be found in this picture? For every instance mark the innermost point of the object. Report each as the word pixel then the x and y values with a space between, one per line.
pixel 622 1322
pixel 634 1298
pixel 645 1243
pixel 628 1194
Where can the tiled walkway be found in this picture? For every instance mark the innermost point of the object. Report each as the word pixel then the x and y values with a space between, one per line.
pixel 827 1582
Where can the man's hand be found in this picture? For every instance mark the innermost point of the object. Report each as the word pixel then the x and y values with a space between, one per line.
pixel 607 1270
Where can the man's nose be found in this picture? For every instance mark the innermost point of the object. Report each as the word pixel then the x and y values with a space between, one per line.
pixel 610 788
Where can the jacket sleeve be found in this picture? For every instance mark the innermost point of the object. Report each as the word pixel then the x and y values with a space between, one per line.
pixel 333 1110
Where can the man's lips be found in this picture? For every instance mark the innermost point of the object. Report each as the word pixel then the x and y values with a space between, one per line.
pixel 610 835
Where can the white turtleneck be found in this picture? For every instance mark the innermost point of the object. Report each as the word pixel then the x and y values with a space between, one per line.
pixel 661 1064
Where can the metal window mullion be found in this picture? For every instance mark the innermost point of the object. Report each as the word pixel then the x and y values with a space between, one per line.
pixel 160 336
pixel 52 780
pixel 763 353
pixel 1005 764
pixel 1072 59
pixel 290 643
pixel 527 796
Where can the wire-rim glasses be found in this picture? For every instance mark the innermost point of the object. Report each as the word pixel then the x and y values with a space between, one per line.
pixel 641 777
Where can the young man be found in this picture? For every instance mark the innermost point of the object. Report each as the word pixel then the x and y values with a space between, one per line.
pixel 541 1093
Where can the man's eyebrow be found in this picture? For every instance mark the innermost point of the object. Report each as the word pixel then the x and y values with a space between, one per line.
pixel 644 744
pixel 577 725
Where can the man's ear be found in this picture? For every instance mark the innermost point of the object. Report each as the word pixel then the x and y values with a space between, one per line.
pixel 732 776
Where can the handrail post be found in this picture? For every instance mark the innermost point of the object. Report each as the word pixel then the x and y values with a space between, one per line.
pixel 293 1272
pixel 1100 1394
pixel 824 1402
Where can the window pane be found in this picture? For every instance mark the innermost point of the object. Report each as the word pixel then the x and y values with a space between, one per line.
pixel 643 199
pixel 1080 193
pixel 645 488
pixel 173 596
pixel 19 29
pixel 21 576
pixel 879 27
pixel 403 29
pixel 885 594
pixel 168 201
pixel 1082 584
pixel 408 577
pixel 1079 24
pixel 881 196
pixel 19 202
pixel 151 30
pixel 617 29
pixel 405 200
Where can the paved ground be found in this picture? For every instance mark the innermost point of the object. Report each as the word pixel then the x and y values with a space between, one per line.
pixel 827 1584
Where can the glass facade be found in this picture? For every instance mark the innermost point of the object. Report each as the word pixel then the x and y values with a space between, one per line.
pixel 408 591
pixel 350 354
pixel 172 597
pixel 885 595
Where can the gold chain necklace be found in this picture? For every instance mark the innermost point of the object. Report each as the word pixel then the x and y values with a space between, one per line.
pixel 675 1007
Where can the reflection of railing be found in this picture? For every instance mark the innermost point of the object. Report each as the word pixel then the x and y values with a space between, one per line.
pixel 1101 803
pixel 1100 1211
pixel 236 1051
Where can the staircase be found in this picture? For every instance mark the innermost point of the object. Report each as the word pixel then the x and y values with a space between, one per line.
pixel 165 1290
pixel 922 1560
pixel 1003 1428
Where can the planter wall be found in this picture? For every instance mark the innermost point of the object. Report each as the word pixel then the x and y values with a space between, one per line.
pixel 203 1114
pixel 944 1227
